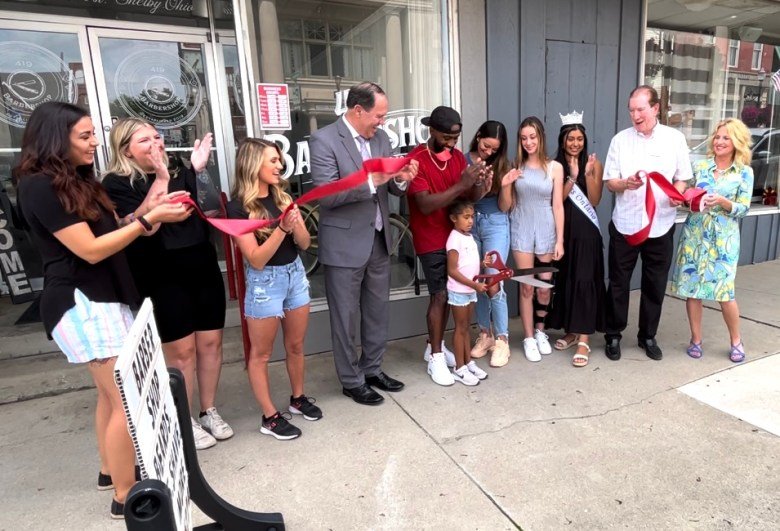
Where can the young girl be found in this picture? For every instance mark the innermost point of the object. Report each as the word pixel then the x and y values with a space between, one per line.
pixel 276 286
pixel 88 289
pixel 535 196
pixel 462 265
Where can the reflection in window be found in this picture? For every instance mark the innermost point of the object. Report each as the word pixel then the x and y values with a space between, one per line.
pixel 702 79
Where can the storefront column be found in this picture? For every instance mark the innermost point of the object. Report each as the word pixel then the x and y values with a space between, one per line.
pixel 719 84
pixel 270 45
pixel 394 86
pixel 312 122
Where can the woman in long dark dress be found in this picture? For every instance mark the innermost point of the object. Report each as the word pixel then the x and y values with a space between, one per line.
pixel 579 299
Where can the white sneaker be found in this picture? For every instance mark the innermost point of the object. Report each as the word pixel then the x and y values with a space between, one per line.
pixel 531 349
pixel 203 439
pixel 449 356
pixel 464 376
pixel 437 368
pixel 213 423
pixel 543 342
pixel 476 371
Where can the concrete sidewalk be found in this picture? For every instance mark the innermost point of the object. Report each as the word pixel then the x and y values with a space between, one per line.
pixel 631 444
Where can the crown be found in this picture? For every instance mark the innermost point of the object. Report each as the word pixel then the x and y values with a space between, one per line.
pixel 573 117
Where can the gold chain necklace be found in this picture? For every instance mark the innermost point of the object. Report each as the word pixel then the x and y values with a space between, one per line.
pixel 428 149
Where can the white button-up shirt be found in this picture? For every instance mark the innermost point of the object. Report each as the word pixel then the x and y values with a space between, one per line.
pixel 664 151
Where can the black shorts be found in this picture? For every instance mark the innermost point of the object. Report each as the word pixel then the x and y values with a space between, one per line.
pixel 434 266
pixel 191 294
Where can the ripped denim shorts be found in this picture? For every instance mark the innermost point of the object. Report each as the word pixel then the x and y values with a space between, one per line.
pixel 275 289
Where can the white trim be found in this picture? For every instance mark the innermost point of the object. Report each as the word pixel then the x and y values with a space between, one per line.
pixel 453 37
pixel 642 52
pixel 755 210
pixel 247 72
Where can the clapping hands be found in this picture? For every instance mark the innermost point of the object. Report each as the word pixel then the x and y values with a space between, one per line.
pixel 201 152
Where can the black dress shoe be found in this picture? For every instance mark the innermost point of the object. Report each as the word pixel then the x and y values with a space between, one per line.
pixel 363 394
pixel 384 382
pixel 612 349
pixel 651 348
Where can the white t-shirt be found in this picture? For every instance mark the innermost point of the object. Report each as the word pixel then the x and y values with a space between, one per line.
pixel 664 151
pixel 468 259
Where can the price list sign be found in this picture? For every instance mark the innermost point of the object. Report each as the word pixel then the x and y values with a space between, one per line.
pixel 274 104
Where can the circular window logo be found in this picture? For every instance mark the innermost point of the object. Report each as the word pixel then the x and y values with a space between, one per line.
pixel 158 87
pixel 31 75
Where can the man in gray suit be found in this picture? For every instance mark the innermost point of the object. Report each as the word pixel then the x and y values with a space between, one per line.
pixel 354 242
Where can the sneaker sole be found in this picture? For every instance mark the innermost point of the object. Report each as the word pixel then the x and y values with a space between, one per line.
pixel 295 411
pixel 266 431
pixel 207 446
pixel 441 384
pixel 116 516
pixel 219 437
pixel 466 383
pixel 105 487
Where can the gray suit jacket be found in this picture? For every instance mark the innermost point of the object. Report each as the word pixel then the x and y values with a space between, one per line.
pixel 347 219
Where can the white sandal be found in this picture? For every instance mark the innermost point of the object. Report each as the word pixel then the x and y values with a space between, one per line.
pixel 581 360
pixel 562 344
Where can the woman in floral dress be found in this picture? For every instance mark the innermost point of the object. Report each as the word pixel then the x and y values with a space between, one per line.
pixel 708 251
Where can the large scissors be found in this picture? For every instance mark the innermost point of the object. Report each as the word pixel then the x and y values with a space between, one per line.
pixel 524 275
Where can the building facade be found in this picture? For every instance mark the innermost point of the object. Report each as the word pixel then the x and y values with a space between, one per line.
pixel 280 68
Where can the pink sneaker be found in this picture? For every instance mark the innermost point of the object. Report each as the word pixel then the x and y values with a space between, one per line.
pixel 483 345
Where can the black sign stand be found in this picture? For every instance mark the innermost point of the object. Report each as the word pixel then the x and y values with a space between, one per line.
pixel 149 505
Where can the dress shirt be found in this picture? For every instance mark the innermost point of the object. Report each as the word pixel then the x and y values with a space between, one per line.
pixel 664 151
pixel 356 137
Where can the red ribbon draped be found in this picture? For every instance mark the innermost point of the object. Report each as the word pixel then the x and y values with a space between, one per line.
pixel 692 196
pixel 238 227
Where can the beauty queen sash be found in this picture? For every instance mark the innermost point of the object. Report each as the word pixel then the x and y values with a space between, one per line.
pixel 580 200
pixel 238 227
pixel 692 196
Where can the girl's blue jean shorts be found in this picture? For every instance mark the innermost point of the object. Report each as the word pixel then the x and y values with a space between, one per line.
pixel 273 290
pixel 460 299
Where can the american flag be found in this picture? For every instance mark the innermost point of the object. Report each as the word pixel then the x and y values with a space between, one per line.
pixel 776 80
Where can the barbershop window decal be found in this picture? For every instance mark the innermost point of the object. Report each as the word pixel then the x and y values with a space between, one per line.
pixel 158 87
pixel 29 76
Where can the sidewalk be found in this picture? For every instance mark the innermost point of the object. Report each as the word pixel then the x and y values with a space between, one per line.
pixel 631 444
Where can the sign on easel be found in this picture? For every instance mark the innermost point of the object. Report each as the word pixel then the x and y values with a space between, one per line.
pixel 143 381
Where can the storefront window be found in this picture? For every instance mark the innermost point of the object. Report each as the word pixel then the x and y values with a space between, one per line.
pixel 720 64
pixel 318 49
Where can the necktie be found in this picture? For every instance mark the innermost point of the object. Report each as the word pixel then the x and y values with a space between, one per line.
pixel 365 156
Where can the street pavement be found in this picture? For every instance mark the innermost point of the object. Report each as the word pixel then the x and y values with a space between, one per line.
pixel 632 444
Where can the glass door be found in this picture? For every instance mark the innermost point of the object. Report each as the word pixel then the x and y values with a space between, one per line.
pixel 167 79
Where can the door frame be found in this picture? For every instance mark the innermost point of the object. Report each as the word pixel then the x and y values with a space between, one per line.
pixel 94 33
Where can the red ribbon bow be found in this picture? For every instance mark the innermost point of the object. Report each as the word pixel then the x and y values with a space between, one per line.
pixel 692 196
pixel 238 227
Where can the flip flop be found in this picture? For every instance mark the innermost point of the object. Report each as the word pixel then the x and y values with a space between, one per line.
pixel 562 344
pixel 581 360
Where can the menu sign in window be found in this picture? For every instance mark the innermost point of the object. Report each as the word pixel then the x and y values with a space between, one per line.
pixel 274 103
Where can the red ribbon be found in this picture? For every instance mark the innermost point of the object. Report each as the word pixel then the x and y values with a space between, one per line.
pixel 238 227
pixel 692 196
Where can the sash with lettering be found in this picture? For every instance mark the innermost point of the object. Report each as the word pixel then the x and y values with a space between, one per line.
pixel 580 200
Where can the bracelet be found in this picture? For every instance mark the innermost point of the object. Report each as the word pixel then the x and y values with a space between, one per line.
pixel 144 223
pixel 284 231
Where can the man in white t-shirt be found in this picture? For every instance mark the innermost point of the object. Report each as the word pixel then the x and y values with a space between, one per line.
pixel 647 146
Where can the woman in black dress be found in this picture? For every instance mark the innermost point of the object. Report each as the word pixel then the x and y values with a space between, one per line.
pixel 177 267
pixel 578 303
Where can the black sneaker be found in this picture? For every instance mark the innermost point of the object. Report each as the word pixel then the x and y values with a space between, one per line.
pixel 651 348
pixel 117 510
pixel 106 483
pixel 304 405
pixel 277 426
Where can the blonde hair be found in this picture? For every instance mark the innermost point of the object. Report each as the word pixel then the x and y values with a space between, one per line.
pixel 249 160
pixel 740 137
pixel 119 140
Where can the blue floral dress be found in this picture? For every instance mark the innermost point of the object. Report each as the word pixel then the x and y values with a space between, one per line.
pixel 708 251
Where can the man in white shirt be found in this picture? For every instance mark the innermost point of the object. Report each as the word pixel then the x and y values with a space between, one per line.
pixel 647 146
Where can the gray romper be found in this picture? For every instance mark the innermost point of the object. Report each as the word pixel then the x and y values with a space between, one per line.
pixel 531 221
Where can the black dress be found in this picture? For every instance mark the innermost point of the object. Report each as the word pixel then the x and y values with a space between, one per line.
pixel 579 299
pixel 177 266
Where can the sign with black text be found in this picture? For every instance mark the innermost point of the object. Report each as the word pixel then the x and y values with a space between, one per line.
pixel 143 381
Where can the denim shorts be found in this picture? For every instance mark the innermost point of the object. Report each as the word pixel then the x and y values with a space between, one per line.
pixel 273 290
pixel 460 299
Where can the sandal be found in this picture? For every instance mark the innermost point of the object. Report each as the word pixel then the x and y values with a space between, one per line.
pixel 562 344
pixel 694 350
pixel 737 353
pixel 580 360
